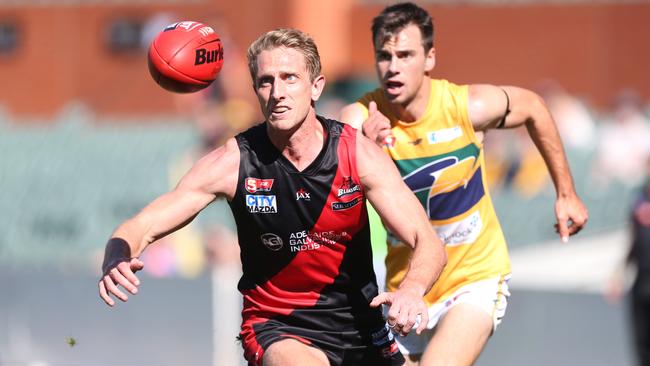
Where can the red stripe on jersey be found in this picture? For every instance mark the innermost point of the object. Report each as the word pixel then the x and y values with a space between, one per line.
pixel 312 270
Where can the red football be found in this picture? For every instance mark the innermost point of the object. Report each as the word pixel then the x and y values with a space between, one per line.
pixel 185 57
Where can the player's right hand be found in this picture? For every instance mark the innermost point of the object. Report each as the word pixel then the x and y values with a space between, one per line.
pixel 406 310
pixel 571 214
pixel 120 271
pixel 377 126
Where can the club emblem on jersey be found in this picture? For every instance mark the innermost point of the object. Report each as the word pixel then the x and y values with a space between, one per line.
pixel 302 194
pixel 439 181
pixel 348 187
pixel 272 241
pixel 416 142
pixel 254 185
pixel 261 204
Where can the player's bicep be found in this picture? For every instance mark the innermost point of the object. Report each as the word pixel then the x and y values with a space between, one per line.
pixel 354 114
pixel 170 212
pixel 392 199
pixel 211 177
pixel 491 106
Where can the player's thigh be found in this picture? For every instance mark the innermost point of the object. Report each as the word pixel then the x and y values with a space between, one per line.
pixel 290 352
pixel 459 337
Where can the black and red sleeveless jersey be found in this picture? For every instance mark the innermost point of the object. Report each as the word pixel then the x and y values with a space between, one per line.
pixel 304 236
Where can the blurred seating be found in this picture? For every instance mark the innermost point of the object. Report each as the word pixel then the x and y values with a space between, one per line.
pixel 66 185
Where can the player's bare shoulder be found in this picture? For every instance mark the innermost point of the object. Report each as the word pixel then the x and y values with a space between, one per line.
pixel 216 172
pixel 353 114
pixel 372 162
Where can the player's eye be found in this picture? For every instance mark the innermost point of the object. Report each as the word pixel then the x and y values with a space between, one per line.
pixel 404 55
pixel 291 77
pixel 382 56
pixel 264 81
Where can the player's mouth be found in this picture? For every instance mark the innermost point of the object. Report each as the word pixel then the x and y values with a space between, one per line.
pixel 279 111
pixel 393 87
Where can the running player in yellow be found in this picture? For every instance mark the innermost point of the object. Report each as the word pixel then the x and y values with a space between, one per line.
pixel 433 130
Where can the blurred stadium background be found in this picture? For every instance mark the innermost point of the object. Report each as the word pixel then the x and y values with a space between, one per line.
pixel 86 139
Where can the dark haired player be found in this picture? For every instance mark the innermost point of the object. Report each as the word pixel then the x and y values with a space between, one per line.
pixel 433 130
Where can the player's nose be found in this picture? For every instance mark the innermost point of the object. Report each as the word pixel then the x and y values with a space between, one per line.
pixel 279 90
pixel 392 65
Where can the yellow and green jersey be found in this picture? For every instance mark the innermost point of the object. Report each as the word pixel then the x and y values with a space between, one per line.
pixel 441 160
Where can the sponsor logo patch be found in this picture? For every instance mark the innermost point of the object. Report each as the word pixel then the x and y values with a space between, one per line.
pixel 444 135
pixel 261 204
pixel 465 231
pixel 338 206
pixel 348 187
pixel 254 185
pixel 302 194
pixel 272 241
pixel 303 240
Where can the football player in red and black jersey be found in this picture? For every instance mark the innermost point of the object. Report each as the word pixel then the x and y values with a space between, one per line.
pixel 297 185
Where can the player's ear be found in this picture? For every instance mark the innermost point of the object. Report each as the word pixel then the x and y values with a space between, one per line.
pixel 317 87
pixel 430 60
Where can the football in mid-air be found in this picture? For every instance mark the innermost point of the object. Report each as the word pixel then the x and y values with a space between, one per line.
pixel 185 57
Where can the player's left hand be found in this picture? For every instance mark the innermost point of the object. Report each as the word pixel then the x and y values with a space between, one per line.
pixel 376 127
pixel 406 305
pixel 571 214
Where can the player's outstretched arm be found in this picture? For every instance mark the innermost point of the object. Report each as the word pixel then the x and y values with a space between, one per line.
pixel 487 107
pixel 213 176
pixel 404 216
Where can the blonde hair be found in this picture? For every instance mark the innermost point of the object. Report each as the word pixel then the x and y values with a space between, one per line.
pixel 289 38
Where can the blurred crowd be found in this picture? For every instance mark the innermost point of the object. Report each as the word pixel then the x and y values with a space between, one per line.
pixel 607 148
pixel 611 146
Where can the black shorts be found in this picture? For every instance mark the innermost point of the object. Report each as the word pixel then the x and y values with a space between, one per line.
pixel 342 348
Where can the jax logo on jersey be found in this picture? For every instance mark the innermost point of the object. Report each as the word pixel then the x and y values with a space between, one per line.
pixel 254 185
pixel 302 194
pixel 261 204
pixel 348 187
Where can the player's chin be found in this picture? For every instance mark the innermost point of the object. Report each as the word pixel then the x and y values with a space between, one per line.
pixel 395 97
pixel 281 122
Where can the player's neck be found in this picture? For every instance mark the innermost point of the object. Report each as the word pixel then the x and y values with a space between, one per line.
pixel 302 145
pixel 414 109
